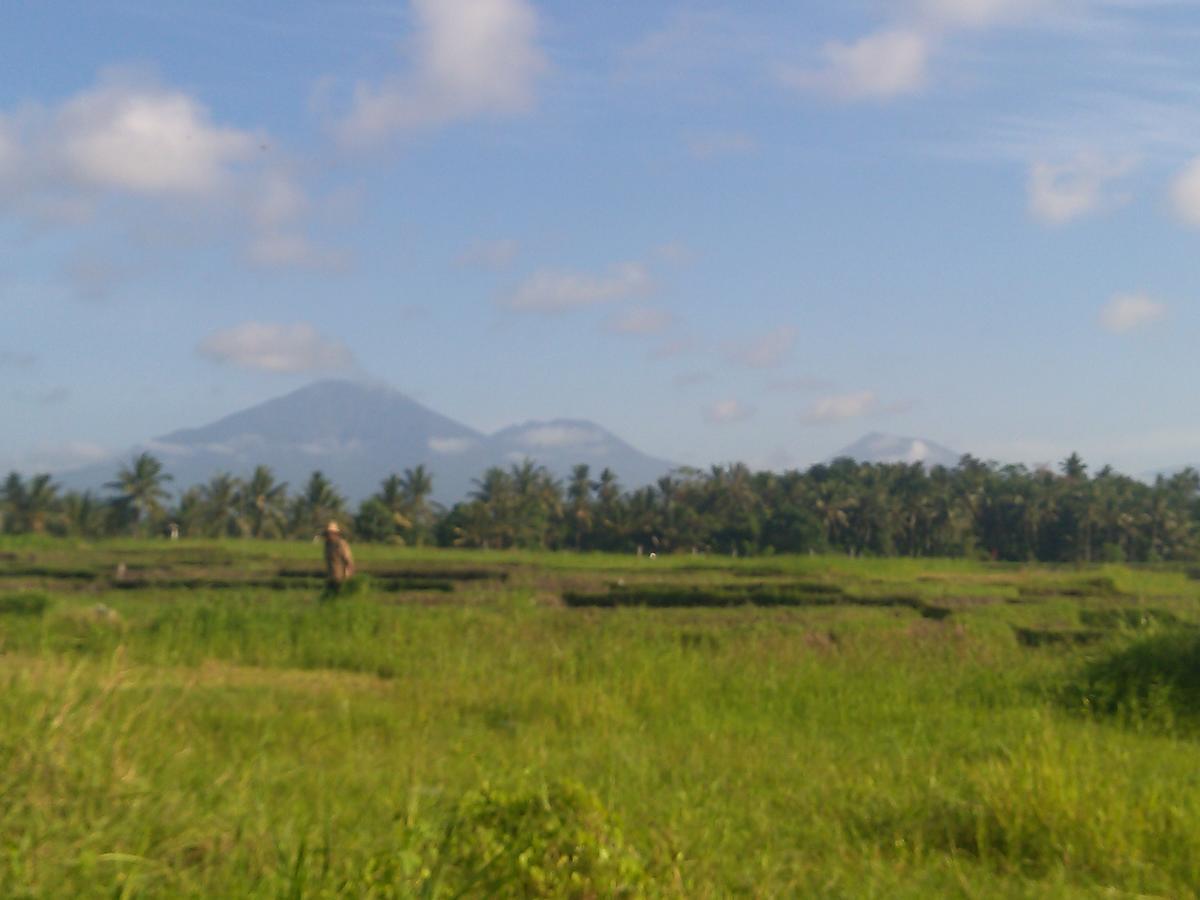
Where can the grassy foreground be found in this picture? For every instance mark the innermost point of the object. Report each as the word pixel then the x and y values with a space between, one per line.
pixel 193 720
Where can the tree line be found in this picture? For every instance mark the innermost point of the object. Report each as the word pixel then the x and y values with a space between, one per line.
pixel 974 509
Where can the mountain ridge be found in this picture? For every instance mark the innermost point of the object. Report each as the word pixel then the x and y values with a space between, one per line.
pixel 358 434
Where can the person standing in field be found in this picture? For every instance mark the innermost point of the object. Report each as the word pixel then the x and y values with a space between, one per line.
pixel 339 561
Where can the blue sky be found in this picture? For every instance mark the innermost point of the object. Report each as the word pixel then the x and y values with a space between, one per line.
pixel 725 231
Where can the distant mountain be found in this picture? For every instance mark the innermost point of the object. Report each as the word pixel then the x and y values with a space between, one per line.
pixel 890 448
pixel 561 444
pixel 358 434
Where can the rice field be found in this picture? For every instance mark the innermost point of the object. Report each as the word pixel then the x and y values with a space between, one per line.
pixel 196 720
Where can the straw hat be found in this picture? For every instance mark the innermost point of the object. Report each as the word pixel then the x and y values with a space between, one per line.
pixel 332 528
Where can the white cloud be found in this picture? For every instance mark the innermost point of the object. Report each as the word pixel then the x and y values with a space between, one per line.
pixel 726 411
pixel 169 449
pixel 8 152
pixel 1185 193
pixel 1125 312
pixel 879 66
pixel 61 457
pixel 551 291
pixel 555 436
pixel 676 253
pixel 1060 193
pixel 978 13
pixel 450 445
pixel 767 351
pixel 273 347
pixel 277 206
pixel 497 254
pixel 126 135
pixel 470 58
pixel 140 138
pixel 331 446
pixel 277 201
pixel 641 320
pixel 130 137
pixel 895 61
pixel 840 407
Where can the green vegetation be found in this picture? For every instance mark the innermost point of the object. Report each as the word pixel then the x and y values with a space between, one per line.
pixel 451 726
pixel 975 510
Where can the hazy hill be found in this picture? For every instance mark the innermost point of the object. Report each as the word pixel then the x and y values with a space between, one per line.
pixel 358 434
pixel 889 448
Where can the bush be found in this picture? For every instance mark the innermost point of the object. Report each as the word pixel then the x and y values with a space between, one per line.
pixel 23 604
pixel 1156 676
pixel 559 841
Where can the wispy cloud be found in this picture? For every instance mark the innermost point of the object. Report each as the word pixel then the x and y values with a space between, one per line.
pixel 277 204
pixel 769 350
pixel 879 66
pixel 798 384
pixel 640 320
pixel 1061 193
pixel 57 457
pixel 676 253
pixel 673 348
pixel 841 407
pixel 557 291
pixel 495 254
pixel 1185 193
pixel 450 446
pixel 896 60
pixel 470 58
pixel 274 347
pixel 691 41
pixel 557 436
pixel 295 250
pixel 1126 312
pixel 724 412
pixel 941 14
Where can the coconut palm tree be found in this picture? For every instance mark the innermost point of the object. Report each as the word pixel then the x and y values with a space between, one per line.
pixel 316 505
pixel 221 501
pixel 264 504
pixel 12 503
pixel 41 504
pixel 579 506
pixel 608 513
pixel 417 486
pixel 497 504
pixel 83 514
pixel 140 490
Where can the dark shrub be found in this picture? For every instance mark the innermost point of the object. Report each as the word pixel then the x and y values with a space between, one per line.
pixel 23 604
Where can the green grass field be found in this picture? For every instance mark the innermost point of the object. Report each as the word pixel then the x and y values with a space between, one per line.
pixel 194 720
